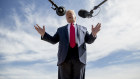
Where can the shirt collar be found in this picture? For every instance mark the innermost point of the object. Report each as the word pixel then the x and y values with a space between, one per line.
pixel 73 23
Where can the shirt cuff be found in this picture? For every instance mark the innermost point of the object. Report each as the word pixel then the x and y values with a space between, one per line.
pixel 94 35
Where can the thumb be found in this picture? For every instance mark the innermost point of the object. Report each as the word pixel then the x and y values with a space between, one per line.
pixel 43 27
pixel 92 26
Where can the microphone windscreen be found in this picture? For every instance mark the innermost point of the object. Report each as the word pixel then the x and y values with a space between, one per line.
pixel 60 11
pixel 83 13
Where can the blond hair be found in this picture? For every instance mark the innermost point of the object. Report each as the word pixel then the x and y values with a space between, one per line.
pixel 71 11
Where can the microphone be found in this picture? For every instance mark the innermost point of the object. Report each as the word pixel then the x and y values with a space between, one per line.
pixel 60 11
pixel 85 14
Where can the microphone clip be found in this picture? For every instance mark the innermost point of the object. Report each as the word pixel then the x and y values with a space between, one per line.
pixel 91 12
pixel 53 8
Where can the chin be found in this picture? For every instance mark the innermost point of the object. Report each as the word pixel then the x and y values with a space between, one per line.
pixel 71 21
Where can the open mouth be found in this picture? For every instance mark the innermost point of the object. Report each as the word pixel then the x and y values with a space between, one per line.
pixel 69 17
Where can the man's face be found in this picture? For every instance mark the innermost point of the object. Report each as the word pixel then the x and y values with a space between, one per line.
pixel 70 16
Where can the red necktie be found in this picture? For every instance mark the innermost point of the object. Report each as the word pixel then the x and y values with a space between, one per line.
pixel 72 36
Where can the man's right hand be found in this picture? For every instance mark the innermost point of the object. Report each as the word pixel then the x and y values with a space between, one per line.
pixel 40 30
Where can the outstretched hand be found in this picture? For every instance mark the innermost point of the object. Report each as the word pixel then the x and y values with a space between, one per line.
pixel 96 29
pixel 40 30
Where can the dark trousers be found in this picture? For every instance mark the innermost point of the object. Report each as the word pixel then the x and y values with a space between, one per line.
pixel 72 68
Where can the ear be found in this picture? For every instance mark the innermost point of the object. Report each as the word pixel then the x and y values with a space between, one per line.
pixel 75 17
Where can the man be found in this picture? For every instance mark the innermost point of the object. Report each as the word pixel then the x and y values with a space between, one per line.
pixel 72 48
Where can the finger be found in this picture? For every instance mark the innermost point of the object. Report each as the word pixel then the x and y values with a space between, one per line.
pixel 35 27
pixel 43 27
pixel 97 25
pixel 38 26
pixel 92 26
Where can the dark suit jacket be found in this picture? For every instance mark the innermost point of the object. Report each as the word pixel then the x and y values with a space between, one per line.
pixel 61 36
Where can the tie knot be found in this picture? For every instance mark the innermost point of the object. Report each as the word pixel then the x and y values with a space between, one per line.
pixel 72 24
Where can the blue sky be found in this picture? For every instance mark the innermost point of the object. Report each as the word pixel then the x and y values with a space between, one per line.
pixel 114 55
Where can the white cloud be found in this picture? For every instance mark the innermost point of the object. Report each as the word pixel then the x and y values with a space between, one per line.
pixel 37 71
pixel 20 46
pixel 124 71
pixel 120 28
pixel 134 56
pixel 24 43
pixel 23 73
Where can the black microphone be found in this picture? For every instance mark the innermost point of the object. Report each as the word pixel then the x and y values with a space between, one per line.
pixel 85 14
pixel 60 11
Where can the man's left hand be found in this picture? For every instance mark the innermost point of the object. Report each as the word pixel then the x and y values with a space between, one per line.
pixel 96 29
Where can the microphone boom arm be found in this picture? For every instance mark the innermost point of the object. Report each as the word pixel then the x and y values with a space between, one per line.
pixel 95 7
pixel 99 5
pixel 53 4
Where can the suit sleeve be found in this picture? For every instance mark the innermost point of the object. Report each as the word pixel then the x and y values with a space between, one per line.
pixel 89 38
pixel 51 39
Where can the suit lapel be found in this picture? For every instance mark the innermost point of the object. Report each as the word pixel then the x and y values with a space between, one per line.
pixel 78 34
pixel 77 31
pixel 66 32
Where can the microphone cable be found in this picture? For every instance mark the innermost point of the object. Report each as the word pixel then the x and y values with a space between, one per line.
pixel 97 12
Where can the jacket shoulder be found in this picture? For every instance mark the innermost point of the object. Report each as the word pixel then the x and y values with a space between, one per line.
pixel 81 26
pixel 62 27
